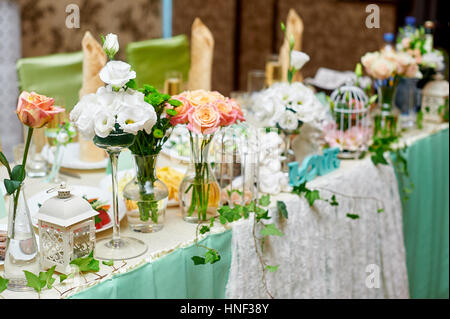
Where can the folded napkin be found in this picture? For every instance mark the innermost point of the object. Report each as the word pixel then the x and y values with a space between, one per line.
pixel 202 54
pixel 294 26
pixel 94 59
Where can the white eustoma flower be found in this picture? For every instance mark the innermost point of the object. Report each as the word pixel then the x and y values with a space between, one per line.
pixel 62 137
pixel 117 73
pixel 104 122
pixel 83 115
pixel 298 59
pixel 288 121
pixel 434 60
pixel 135 114
pixel 111 45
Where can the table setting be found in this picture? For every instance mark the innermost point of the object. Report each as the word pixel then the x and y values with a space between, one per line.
pixel 298 189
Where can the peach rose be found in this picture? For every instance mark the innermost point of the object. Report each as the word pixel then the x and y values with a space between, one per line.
pixel 183 110
pixel 204 119
pixel 36 110
pixel 382 68
pixel 202 97
pixel 230 112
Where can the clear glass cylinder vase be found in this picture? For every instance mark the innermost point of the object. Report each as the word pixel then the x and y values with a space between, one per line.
pixel 386 117
pixel 199 192
pixel 145 197
pixel 21 246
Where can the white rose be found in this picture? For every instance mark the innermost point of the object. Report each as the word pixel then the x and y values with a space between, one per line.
pixel 117 73
pixel 104 123
pixel 298 59
pixel 288 121
pixel 111 45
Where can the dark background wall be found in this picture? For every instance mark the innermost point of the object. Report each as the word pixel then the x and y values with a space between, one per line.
pixel 245 31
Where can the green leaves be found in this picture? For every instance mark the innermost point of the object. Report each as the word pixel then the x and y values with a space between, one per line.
pixel 271 230
pixel 174 103
pixel 353 216
pixel 34 281
pixel 3 284
pixel 131 84
pixel 171 112
pixel 11 185
pixel 272 268
pixel 264 201
pixel 333 201
pixel 204 230
pixel 311 196
pixel 109 263
pixel 211 257
pixel 381 210
pixel 282 209
pixel 40 281
pixel 4 161
pixel 87 264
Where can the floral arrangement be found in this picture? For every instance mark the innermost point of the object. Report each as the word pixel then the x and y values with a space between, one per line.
pixel 102 218
pixel 287 106
pixel 353 139
pixel 34 111
pixel 117 107
pixel 384 64
pixel 204 113
pixel 416 45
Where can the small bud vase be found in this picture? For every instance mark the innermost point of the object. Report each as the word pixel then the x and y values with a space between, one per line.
pixel 199 192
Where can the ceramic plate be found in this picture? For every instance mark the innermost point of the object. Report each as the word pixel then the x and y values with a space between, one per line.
pixel 89 192
pixel 71 158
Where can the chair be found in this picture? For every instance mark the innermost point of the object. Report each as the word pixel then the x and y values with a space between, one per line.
pixel 152 59
pixel 57 75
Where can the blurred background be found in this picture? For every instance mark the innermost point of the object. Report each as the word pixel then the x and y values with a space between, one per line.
pixel 246 32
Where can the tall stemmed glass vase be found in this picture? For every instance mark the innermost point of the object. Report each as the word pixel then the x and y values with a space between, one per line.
pixel 117 247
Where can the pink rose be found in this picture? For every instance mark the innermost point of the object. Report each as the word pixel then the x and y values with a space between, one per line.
pixel 230 112
pixel 406 42
pixel 183 110
pixel 36 110
pixel 204 119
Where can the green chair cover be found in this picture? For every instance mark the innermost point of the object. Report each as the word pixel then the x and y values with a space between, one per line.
pixel 152 59
pixel 56 75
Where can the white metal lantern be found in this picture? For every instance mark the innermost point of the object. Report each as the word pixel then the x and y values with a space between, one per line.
pixel 434 95
pixel 66 230
pixel 350 132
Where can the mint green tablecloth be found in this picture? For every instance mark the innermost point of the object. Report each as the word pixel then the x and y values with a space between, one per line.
pixel 56 75
pixel 426 232
pixel 171 277
pixel 425 217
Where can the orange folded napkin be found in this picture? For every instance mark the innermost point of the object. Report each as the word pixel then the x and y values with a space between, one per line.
pixel 94 59
pixel 294 26
pixel 202 54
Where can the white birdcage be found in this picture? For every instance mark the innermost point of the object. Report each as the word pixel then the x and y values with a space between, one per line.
pixel 66 230
pixel 350 131
pixel 236 163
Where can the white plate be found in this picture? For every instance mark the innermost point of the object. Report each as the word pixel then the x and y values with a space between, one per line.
pixel 90 192
pixel 4 227
pixel 123 177
pixel 71 158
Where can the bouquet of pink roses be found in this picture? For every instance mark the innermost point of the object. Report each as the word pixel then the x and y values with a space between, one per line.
pixel 204 113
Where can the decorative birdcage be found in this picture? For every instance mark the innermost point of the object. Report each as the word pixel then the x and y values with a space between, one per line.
pixel 350 130
pixel 236 163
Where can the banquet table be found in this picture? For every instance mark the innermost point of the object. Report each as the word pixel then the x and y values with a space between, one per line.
pixel 323 254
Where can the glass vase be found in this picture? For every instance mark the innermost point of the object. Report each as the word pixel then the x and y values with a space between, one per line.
pixel 288 152
pixel 407 99
pixel 385 120
pixel 117 247
pixel 146 197
pixel 21 246
pixel 199 191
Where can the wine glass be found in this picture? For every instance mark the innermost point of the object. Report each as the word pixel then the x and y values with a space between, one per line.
pixel 117 247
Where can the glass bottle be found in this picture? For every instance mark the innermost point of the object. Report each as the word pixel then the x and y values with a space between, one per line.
pixel 21 246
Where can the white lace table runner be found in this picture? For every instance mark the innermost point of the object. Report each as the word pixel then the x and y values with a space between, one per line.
pixel 324 253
